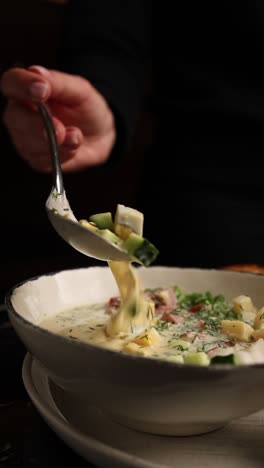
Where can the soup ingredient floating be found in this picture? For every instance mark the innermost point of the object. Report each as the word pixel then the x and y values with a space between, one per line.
pixel 126 231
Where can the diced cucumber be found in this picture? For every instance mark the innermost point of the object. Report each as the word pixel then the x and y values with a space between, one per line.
pixel 109 235
pixel 133 242
pixel 129 217
pixel 103 220
pixel 140 248
pixel 177 358
pixel 197 359
pixel 181 345
pixel 146 253
pixel 229 359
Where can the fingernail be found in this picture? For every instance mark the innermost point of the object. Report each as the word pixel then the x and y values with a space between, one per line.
pixel 39 69
pixel 72 140
pixel 39 90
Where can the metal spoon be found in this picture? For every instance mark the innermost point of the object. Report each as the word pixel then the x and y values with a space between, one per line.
pixel 61 215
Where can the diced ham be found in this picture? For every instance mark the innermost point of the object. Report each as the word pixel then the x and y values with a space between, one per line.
pixel 229 343
pixel 188 335
pixel 213 349
pixel 162 309
pixel 221 350
pixel 165 301
pixel 149 295
pixel 154 297
pixel 167 317
pixel 113 304
pixel 196 308
pixel 200 324
pixel 167 297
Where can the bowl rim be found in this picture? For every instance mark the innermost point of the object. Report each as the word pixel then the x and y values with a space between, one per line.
pixel 141 360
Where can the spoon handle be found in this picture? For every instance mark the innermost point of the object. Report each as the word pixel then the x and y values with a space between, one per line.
pixel 54 149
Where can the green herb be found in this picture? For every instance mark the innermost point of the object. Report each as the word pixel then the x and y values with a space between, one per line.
pixel 195 337
pixel 212 326
pixel 207 346
pixel 179 348
pixel 56 195
pixel 219 299
pixel 73 337
pixel 192 299
pixel 178 293
pixel 161 325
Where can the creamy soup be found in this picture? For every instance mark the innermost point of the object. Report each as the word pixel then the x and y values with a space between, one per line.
pixel 189 328
pixel 164 323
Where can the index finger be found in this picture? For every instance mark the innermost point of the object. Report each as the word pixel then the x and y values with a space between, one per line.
pixel 24 85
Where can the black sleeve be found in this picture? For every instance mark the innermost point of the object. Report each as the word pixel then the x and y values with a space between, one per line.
pixel 108 42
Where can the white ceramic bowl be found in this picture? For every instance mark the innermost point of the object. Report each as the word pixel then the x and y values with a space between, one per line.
pixel 146 394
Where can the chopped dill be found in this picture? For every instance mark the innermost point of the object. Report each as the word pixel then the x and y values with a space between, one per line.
pixel 56 195
pixel 161 325
pixel 179 348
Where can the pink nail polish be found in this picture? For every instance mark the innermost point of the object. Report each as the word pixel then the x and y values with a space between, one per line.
pixel 39 69
pixel 39 90
pixel 72 140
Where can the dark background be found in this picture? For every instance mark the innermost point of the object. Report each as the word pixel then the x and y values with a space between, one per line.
pixel 30 33
pixel 29 246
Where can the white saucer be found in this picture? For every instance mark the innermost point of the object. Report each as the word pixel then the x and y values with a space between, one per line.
pixel 99 440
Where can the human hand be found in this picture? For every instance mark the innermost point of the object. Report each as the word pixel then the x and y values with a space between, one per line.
pixel 83 121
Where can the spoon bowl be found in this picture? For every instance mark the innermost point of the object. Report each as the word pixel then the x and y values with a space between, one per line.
pixel 61 215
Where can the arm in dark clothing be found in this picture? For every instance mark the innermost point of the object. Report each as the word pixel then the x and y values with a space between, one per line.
pixel 108 42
